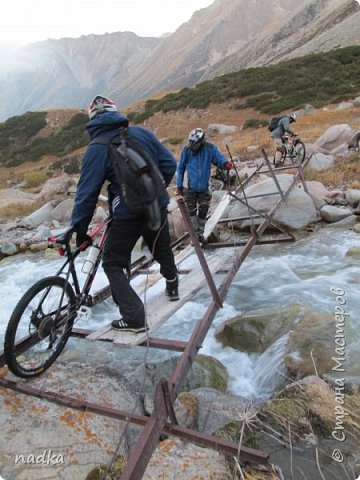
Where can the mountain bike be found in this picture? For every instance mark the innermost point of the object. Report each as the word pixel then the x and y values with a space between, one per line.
pixel 221 179
pixel 294 149
pixel 41 322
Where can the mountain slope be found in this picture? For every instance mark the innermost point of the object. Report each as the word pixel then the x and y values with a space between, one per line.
pixel 226 36
pixel 318 26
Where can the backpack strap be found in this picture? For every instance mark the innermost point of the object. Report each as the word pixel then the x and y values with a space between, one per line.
pixel 103 140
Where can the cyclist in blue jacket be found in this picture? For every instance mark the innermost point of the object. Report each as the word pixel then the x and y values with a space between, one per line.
pixel 196 159
pixel 126 226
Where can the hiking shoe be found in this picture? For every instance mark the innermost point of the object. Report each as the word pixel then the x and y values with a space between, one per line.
pixel 202 240
pixel 124 326
pixel 172 293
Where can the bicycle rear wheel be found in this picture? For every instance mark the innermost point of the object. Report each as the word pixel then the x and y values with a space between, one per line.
pixel 299 152
pixel 39 327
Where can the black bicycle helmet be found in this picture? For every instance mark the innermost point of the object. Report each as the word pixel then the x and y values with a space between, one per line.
pixel 196 139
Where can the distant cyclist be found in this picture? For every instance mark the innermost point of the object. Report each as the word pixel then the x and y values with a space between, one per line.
pixel 283 126
pixel 196 159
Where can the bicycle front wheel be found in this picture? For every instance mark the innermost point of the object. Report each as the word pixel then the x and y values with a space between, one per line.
pixel 39 327
pixel 299 152
pixel 216 185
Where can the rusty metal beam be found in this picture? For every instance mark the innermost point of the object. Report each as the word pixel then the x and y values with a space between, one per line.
pixel 221 445
pixel 199 252
pixel 205 440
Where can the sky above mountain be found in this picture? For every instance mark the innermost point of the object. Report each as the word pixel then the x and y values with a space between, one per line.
pixel 28 21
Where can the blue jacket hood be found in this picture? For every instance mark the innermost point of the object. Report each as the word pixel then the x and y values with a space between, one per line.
pixel 107 121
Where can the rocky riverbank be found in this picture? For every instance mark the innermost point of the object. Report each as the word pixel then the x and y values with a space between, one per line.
pixel 301 426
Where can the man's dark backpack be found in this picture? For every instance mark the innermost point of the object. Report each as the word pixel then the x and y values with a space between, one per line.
pixel 273 123
pixel 138 176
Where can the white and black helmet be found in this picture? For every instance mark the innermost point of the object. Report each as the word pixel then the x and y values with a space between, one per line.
pixel 292 117
pixel 101 104
pixel 196 139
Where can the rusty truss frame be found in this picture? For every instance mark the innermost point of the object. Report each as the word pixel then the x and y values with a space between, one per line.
pixel 163 418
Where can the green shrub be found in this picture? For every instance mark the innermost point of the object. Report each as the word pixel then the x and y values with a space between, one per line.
pixel 175 140
pixel 318 79
pixel 16 146
pixel 73 166
pixel 255 123
pixel 34 179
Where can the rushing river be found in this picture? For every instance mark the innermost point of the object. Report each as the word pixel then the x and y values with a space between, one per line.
pixel 273 275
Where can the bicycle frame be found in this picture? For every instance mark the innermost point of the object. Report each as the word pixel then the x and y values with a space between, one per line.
pixel 64 248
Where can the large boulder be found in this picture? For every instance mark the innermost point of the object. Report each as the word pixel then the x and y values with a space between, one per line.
pixel 76 440
pixel 55 188
pixel 352 196
pixel 331 214
pixel 62 212
pixel 205 372
pixel 310 348
pixel 255 331
pixel 335 136
pixel 215 409
pixel 39 217
pixel 297 212
pixel 177 225
pixel 219 129
pixel 320 161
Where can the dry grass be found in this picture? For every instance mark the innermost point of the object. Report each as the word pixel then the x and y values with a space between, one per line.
pixel 344 174
pixel 18 210
pixel 178 125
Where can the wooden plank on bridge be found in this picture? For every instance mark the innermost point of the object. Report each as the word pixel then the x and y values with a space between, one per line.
pixel 216 215
pixel 159 308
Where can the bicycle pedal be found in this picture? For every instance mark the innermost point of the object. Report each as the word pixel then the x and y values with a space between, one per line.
pixel 83 313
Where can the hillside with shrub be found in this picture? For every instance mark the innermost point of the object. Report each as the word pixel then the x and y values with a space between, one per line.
pixel 54 141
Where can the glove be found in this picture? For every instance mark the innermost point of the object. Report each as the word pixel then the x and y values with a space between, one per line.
pixel 228 165
pixel 81 238
pixel 180 191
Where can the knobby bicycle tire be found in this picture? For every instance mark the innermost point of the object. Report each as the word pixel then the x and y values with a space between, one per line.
pixel 216 185
pixel 299 152
pixel 44 316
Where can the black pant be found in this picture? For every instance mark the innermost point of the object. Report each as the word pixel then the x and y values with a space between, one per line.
pixel 198 203
pixel 122 237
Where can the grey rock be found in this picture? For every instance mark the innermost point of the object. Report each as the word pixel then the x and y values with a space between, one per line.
pixel 8 249
pixel 353 196
pixel 214 129
pixel 331 214
pixel 320 161
pixel 217 409
pixel 83 440
pixel 62 212
pixel 298 211
pixel 39 217
pixel 334 136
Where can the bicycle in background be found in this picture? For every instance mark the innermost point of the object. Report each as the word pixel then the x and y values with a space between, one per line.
pixel 294 149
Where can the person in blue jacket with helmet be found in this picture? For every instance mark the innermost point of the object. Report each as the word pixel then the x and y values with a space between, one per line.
pixel 196 159
pixel 126 226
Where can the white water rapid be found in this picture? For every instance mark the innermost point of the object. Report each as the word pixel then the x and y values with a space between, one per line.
pixel 273 275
